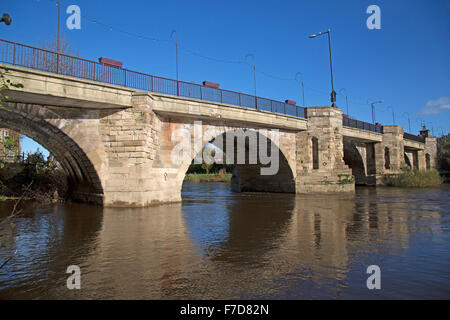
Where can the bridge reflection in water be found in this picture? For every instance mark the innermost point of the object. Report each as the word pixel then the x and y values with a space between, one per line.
pixel 218 244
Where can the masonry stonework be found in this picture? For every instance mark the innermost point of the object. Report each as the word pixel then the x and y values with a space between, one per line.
pixel 116 144
pixel 332 174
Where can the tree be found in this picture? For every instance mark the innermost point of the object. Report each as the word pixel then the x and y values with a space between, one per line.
pixel 52 62
pixel 208 154
pixel 9 145
pixel 10 149
pixel 444 153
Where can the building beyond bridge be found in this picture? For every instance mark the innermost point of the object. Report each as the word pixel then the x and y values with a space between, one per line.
pixel 116 143
pixel 13 151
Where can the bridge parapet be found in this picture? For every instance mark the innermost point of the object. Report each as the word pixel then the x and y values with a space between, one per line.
pixel 353 123
pixel 17 54
pixel 417 138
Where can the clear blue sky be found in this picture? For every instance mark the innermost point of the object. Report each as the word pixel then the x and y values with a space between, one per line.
pixel 406 63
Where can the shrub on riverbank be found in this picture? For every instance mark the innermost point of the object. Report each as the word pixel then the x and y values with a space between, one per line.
pixel 48 182
pixel 203 177
pixel 414 178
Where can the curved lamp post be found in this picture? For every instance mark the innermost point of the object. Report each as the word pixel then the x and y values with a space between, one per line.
pixel 346 97
pixel 254 75
pixel 176 56
pixel 6 19
pixel 393 117
pixel 301 82
pixel 409 120
pixel 372 103
pixel 333 93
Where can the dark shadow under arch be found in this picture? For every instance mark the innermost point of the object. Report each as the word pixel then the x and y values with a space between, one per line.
pixel 353 159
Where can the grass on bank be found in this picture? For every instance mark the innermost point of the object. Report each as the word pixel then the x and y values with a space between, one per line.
pixel 414 179
pixel 211 177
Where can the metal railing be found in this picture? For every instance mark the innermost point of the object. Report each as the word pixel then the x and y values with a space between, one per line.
pixel 353 123
pixel 22 55
pixel 412 137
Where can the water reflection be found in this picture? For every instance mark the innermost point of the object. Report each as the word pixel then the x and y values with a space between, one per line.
pixel 47 240
pixel 218 244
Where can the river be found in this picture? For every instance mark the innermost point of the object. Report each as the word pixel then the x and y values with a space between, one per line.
pixel 222 245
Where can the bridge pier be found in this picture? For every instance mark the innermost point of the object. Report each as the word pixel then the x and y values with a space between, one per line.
pixel 320 154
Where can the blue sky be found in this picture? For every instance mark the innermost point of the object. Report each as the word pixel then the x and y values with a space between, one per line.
pixel 405 63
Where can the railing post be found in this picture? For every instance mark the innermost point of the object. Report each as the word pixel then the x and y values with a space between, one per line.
pixel 201 95
pixel 221 96
pixel 125 77
pixel 271 108
pixel 14 55
pixel 57 62
pixel 239 95
pixel 151 77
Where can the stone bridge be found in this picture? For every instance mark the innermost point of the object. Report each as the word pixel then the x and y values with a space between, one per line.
pixel 116 144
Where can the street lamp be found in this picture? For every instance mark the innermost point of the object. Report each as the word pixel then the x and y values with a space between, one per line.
pixel 409 120
pixel 176 55
pixel 346 97
pixel 301 82
pixel 6 19
pixel 432 127
pixel 393 118
pixel 373 108
pixel 333 93
pixel 254 75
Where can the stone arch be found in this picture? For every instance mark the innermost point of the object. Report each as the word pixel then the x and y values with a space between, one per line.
pixel 408 161
pixel 247 177
pixel 355 160
pixel 33 121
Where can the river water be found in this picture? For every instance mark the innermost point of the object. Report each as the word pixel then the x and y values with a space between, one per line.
pixel 222 245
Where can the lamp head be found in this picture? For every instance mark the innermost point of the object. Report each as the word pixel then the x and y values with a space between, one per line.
pixel 312 36
pixel 6 19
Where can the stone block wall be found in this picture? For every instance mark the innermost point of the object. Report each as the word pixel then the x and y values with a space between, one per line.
pixel 392 139
pixel 431 149
pixel 131 140
pixel 332 174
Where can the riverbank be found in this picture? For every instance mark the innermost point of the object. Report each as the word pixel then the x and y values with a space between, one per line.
pixel 414 179
pixel 207 177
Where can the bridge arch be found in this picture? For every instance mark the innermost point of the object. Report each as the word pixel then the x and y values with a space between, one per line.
pixel 39 123
pixel 355 160
pixel 248 177
pixel 408 159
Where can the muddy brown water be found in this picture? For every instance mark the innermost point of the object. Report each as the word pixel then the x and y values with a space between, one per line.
pixel 222 245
